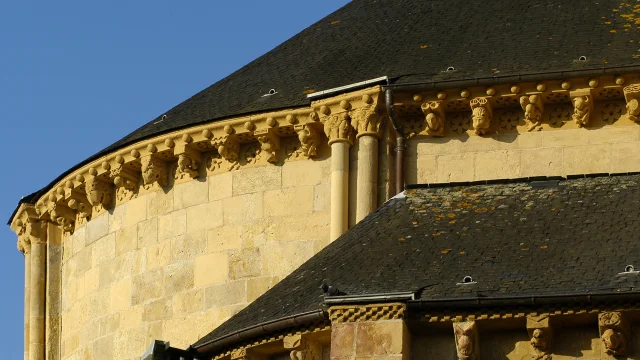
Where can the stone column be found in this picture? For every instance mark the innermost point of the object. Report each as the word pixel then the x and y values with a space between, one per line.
pixel 371 331
pixel 366 120
pixel 37 297
pixel 53 291
pixel 337 127
pixel 25 247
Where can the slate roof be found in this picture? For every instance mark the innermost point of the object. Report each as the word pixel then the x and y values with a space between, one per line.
pixel 513 239
pixel 414 41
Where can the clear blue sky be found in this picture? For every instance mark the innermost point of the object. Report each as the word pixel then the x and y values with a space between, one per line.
pixel 75 76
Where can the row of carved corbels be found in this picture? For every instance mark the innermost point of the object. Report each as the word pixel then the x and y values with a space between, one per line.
pixel 351 119
pixel 614 330
pixel 533 107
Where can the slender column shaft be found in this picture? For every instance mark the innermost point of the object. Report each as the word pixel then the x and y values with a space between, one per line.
pixel 27 303
pixel 339 188
pixel 37 301
pixel 53 292
pixel 367 188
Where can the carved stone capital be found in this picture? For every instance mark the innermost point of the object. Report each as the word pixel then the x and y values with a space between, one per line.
pixel 533 108
pixel 24 246
pixel 99 192
pixel 366 121
pixel 541 337
pixel 310 138
pixel 582 106
pixel 269 144
pixel 126 182
pixel 27 227
pixel 466 334
pixel 614 333
pixel 154 172
pixel 338 128
pixel 632 96
pixel 188 163
pixel 481 115
pixel 434 117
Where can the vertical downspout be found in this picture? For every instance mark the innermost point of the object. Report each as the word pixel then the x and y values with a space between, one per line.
pixel 400 140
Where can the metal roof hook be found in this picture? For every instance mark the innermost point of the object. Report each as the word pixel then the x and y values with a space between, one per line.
pixel 451 68
pixel 467 280
pixel 582 58
pixel 629 270
pixel 271 92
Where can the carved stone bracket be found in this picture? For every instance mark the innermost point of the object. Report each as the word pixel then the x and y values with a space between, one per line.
pixel 154 172
pixel 466 334
pixel 540 333
pixel 434 117
pixel 60 214
pixel 269 144
pixel 632 96
pixel 99 191
pixel 188 162
pixel 582 106
pixel 614 333
pixel 482 115
pixel 228 147
pixel 126 182
pixel 533 108
pixel 302 348
pixel 309 137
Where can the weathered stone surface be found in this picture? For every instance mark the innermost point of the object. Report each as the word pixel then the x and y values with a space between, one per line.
pixel 172 225
pixel 503 162
pixel 120 295
pixel 147 233
pixel 190 193
pixel 104 250
pixel 126 240
pixel 136 211
pixel 147 286
pixel 159 203
pixel 256 179
pixel 157 310
pixel 290 201
pixel 159 255
pixel 220 186
pixel 258 286
pixel 245 263
pixel 342 340
pixel 188 247
pixel 178 277
pixel 242 209
pixel 226 294
pixel 211 269
pixel 188 302
pixel 97 228
pixel 281 258
pixel 225 238
pixel 204 217
pixel 380 338
pixel 303 173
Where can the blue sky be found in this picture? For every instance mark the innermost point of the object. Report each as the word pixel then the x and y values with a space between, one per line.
pixel 75 76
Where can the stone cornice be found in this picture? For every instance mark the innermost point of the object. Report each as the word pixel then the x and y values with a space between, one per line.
pixel 260 139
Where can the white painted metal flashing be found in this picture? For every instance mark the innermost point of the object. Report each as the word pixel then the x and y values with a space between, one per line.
pixel 347 87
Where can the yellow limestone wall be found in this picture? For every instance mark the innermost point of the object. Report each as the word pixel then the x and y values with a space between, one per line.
pixel 175 265
pixel 610 149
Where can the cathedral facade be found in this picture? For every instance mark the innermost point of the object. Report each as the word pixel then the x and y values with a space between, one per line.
pixel 400 180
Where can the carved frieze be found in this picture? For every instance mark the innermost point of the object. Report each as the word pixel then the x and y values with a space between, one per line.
pixel 310 138
pixel 269 144
pixel 154 172
pixel 540 333
pixel 338 127
pixel 533 108
pixel 632 96
pixel 614 333
pixel 99 192
pixel 466 335
pixel 482 115
pixel 434 117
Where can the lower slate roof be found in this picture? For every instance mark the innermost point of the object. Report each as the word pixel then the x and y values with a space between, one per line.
pixel 521 238
pixel 414 41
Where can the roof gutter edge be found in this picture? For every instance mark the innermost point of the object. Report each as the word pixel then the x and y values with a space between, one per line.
pixel 433 85
pixel 478 301
pixel 263 328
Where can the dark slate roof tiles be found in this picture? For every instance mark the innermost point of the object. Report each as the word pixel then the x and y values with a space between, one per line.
pixel 512 239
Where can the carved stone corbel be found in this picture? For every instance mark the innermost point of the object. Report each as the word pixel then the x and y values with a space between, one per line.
pixel 533 108
pixel 99 191
pixel 126 182
pixel 301 348
pixel 434 117
pixel 60 214
pixel 269 144
pixel 582 106
pixel 154 172
pixel 228 147
pixel 540 333
pixel 309 137
pixel 76 199
pixel 188 159
pixel 614 333
pixel 481 114
pixel 632 96
pixel 466 334
pixel 338 127
pixel 366 121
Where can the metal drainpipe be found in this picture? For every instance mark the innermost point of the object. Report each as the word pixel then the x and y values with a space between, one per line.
pixel 400 144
